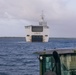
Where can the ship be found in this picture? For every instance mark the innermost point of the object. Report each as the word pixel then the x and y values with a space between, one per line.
pixel 59 61
pixel 37 33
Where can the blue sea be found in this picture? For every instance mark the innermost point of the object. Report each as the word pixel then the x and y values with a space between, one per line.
pixel 17 56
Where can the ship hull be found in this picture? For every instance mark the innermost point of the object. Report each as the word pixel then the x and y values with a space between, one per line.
pixel 37 38
pixel 37 33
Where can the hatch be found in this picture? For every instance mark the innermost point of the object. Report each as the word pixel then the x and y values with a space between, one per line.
pixel 37 38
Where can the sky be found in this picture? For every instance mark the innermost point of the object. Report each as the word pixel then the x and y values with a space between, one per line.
pixel 59 14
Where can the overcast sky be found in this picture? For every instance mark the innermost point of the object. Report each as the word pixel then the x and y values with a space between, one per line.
pixel 60 15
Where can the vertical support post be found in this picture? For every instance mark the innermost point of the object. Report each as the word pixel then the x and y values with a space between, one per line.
pixel 57 63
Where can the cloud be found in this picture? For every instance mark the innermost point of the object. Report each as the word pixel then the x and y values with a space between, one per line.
pixel 12 27
pixel 15 14
pixel 31 9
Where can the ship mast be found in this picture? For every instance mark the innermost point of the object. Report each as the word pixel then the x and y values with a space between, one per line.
pixel 42 22
pixel 42 16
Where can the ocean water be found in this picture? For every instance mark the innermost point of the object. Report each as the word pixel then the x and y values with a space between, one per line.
pixel 17 56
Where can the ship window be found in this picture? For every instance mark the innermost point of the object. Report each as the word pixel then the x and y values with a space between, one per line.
pixel 28 35
pixel 46 35
pixel 37 28
pixel 68 67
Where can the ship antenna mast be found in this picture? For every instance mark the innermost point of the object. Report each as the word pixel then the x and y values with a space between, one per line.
pixel 42 21
pixel 42 15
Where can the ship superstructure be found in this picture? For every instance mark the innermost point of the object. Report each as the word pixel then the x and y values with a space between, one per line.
pixel 37 33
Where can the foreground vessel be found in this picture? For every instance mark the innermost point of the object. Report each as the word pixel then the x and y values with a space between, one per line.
pixel 57 61
pixel 37 33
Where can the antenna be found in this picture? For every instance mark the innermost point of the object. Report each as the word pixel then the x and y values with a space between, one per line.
pixel 42 21
pixel 42 15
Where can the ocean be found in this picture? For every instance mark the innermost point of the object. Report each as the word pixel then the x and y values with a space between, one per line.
pixel 17 56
